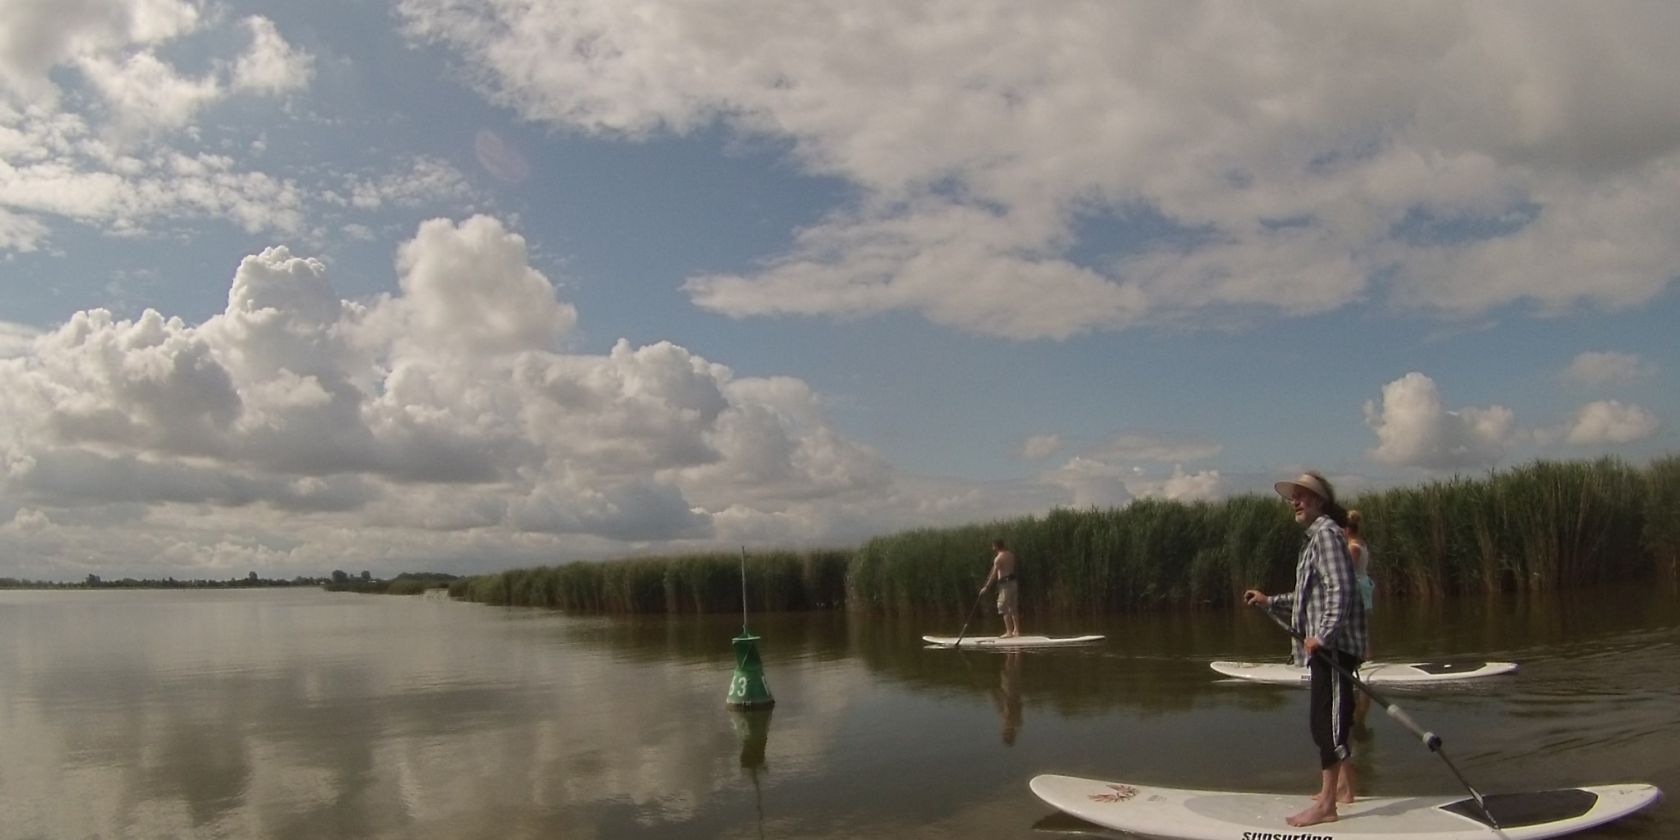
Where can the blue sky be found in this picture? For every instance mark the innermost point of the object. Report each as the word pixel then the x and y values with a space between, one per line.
pixel 464 286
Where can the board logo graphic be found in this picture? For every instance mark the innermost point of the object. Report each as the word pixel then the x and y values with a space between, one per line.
pixel 1115 793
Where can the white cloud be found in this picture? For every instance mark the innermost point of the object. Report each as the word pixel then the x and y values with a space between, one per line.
pixel 271 65
pixel 15 339
pixel 1040 446
pixel 1607 368
pixel 40 36
pixel 449 409
pixel 1610 421
pixel 470 286
pixel 1414 428
pixel 27 521
pixel 1203 485
pixel 20 233
pixel 100 126
pixel 145 94
pixel 1092 482
pixel 1471 158
pixel 125 193
pixel 1141 447
pixel 425 179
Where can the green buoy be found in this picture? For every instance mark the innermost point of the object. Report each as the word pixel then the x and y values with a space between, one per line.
pixel 747 688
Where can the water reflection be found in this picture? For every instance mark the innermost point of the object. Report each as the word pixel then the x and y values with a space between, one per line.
pixel 307 715
pixel 752 726
pixel 1007 697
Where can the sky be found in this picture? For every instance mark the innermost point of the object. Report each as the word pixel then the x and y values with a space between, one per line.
pixel 468 285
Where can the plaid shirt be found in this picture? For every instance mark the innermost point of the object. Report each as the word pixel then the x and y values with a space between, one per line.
pixel 1326 602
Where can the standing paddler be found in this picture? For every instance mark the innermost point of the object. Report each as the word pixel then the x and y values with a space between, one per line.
pixel 1326 610
pixel 1004 566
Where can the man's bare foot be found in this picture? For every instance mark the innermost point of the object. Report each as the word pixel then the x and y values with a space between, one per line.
pixel 1317 812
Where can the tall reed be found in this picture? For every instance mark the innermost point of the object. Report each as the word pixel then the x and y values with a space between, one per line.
pixel 1540 527
pixel 1661 534
pixel 776 581
pixel 1152 553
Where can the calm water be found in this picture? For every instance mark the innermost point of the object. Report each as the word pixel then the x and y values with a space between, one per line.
pixel 286 714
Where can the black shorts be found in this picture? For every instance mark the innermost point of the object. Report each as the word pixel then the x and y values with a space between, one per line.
pixel 1330 710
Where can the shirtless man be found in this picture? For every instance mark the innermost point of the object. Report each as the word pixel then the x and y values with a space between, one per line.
pixel 1008 596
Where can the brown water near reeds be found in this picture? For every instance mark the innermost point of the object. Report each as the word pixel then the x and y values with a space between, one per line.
pixel 286 714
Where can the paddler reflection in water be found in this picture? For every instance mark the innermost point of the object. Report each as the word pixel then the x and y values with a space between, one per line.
pixel 1326 610
pixel 1008 591
pixel 1007 697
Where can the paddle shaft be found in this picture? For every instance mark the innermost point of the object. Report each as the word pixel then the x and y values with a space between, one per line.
pixel 971 611
pixel 1430 739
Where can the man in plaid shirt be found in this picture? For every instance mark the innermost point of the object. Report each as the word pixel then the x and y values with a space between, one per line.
pixel 1326 610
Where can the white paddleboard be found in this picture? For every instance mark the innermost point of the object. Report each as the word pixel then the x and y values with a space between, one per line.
pixel 1219 815
pixel 1010 642
pixel 1375 673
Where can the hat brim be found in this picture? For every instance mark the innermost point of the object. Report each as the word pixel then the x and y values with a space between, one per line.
pixel 1286 488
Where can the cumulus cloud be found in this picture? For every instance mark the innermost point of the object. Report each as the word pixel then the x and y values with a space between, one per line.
pixel 1091 482
pixel 1607 368
pixel 1114 473
pixel 1202 485
pixel 450 407
pixel 15 339
pixel 1297 160
pixel 1415 428
pixel 1609 422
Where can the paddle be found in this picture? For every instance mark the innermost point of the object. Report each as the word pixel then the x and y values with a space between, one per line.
pixel 972 610
pixel 1430 739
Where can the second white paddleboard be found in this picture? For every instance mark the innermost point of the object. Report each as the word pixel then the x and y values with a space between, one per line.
pixel 1375 673
pixel 1010 641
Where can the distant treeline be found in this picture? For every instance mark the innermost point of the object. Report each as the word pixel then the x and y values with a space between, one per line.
pixel 407 583
pixel 1536 528
pixel 251 581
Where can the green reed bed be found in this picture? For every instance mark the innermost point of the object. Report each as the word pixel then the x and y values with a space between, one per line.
pixel 1662 514
pixel 1150 553
pixel 1539 527
pixel 776 581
